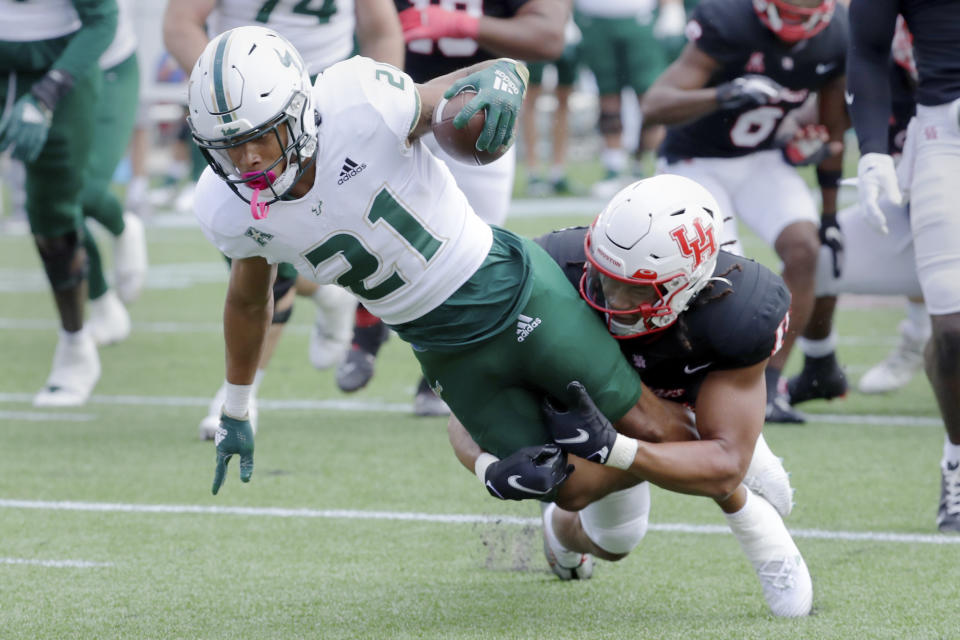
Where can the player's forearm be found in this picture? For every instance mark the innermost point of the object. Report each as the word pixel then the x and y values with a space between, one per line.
pixel 704 468
pixel 669 105
pixel 184 39
pixel 245 326
pixel 872 26
pixel 532 36
pixel 379 34
pixel 99 25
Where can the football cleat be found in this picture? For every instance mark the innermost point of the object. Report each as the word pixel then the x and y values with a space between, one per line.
pixel 76 369
pixel 428 404
pixel 897 369
pixel 783 574
pixel 948 513
pixel 130 259
pixel 820 378
pixel 565 564
pixel 210 423
pixel 108 321
pixel 767 478
pixel 605 189
pixel 355 371
pixel 779 410
pixel 333 326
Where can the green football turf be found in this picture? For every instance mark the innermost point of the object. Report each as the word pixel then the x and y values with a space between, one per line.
pixel 347 530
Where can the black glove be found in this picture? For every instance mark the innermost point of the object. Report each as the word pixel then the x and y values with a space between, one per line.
pixel 832 237
pixel 530 472
pixel 581 430
pixel 747 91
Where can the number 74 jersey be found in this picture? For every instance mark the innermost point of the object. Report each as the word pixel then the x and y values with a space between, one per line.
pixel 383 219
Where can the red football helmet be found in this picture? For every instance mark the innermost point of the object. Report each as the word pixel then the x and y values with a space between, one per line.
pixel 793 23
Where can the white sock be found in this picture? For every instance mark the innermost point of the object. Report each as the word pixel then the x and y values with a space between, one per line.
pixel 951 452
pixel 818 348
pixel 257 379
pixel 614 160
pixel 73 338
pixel 760 531
pixel 557 172
pixel 917 324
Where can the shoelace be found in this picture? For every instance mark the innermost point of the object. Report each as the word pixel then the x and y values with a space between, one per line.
pixel 780 577
pixel 951 485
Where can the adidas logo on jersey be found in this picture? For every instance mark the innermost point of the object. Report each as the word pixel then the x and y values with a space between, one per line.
pixel 525 326
pixel 350 169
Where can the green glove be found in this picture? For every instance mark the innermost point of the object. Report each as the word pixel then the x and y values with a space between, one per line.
pixel 500 88
pixel 233 437
pixel 27 128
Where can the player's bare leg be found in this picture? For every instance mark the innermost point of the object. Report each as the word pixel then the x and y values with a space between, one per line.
pixel 943 370
pixel 798 246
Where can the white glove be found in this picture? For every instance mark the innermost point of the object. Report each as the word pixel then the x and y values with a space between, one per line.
pixel 671 21
pixel 877 178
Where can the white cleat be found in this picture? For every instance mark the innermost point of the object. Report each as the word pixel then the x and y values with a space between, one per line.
pixel 767 478
pixel 108 321
pixel 76 369
pixel 897 369
pixel 333 328
pixel 210 424
pixel 765 541
pixel 130 259
pixel 565 564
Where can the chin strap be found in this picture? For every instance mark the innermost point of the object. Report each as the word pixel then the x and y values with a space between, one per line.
pixel 258 183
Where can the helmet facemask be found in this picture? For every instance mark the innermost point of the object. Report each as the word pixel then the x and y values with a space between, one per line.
pixel 792 23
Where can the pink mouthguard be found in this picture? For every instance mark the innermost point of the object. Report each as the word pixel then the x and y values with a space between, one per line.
pixel 259 210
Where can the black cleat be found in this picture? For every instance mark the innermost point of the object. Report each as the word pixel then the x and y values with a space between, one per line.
pixel 779 410
pixel 820 378
pixel 948 514
pixel 355 371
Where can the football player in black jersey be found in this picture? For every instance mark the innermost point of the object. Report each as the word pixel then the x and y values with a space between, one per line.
pixel 443 36
pixel 855 258
pixel 932 185
pixel 698 324
pixel 747 65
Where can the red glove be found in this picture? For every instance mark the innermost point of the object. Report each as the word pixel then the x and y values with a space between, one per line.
pixel 808 146
pixel 433 23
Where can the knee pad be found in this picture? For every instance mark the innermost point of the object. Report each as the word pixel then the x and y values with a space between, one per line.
pixel 618 522
pixel 64 260
pixel 610 122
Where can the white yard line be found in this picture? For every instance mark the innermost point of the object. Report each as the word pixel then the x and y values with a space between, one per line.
pixel 56 564
pixel 353 514
pixel 402 407
pixel 36 416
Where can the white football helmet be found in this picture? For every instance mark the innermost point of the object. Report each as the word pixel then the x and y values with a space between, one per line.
pixel 247 83
pixel 649 252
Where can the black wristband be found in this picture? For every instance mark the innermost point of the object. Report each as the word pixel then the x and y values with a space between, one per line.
pixel 828 179
pixel 51 87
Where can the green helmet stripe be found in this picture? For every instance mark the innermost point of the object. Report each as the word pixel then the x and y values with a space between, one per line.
pixel 220 95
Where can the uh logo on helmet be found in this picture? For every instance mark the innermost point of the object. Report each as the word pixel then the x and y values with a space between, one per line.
pixel 251 82
pixel 649 252
pixel 791 20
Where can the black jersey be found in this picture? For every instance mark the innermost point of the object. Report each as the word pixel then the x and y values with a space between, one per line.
pixel 935 25
pixel 740 329
pixel 730 32
pixel 903 103
pixel 426 59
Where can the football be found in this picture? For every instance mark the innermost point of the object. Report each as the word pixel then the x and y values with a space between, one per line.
pixel 461 143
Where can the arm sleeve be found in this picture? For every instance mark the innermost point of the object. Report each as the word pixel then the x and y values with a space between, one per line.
pixel 872 24
pixel 98 26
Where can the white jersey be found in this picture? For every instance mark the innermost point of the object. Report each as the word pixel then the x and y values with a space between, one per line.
pixel 383 218
pixel 321 30
pixel 125 41
pixel 37 20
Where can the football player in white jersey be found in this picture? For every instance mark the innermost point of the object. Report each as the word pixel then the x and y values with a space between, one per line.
pixel 324 35
pixel 332 178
